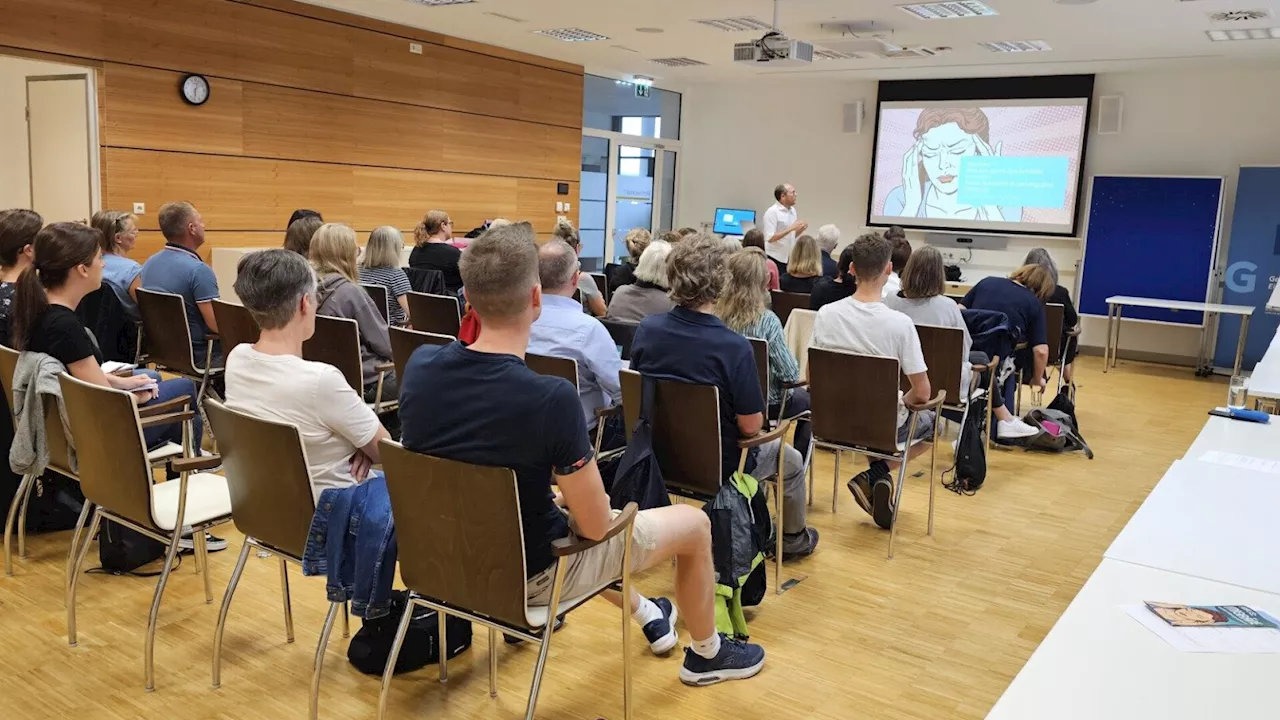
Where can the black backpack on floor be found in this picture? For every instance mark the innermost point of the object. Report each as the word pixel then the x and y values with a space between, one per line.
pixel 970 468
pixel 371 645
pixel 122 550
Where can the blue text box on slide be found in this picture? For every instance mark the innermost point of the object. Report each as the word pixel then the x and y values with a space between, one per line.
pixel 1034 182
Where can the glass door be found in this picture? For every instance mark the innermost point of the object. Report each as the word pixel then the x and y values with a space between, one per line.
pixel 628 182
pixel 633 206
pixel 593 202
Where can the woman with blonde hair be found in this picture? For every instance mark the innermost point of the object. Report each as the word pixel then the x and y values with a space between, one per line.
pixel 433 250
pixel 624 273
pixel 381 266
pixel 338 294
pixel 119 235
pixel 592 300
pixel 804 266
pixel 648 295
pixel 744 308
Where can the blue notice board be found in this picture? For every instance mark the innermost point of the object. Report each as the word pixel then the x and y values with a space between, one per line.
pixel 1153 237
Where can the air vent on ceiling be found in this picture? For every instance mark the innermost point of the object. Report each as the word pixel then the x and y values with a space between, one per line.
pixel 437 3
pixel 511 18
pixel 677 62
pixel 949 10
pixel 737 24
pixel 572 34
pixel 1233 16
pixel 624 48
pixel 1017 46
pixel 821 54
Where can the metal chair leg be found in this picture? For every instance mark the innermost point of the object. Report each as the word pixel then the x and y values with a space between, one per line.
pixel 24 486
pixel 442 619
pixel 547 632
pixel 75 541
pixel 933 461
pixel 202 553
pixel 835 484
pixel 75 577
pixel 389 670
pixel 288 606
pixel 346 619
pixel 493 661
pixel 22 519
pixel 811 479
pixel 153 617
pixel 222 614
pixel 902 479
pixel 779 481
pixel 324 644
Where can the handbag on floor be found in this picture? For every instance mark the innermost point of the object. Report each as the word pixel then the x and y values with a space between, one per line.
pixel 371 645
pixel 970 468
pixel 122 550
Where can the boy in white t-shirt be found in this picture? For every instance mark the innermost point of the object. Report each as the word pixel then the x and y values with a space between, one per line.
pixel 863 324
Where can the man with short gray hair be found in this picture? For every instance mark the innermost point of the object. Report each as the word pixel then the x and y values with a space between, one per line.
pixel 179 269
pixel 270 380
pixel 828 239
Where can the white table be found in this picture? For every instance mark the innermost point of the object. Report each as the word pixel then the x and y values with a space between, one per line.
pixel 1239 437
pixel 1264 383
pixel 1204 361
pixel 1098 663
pixel 1209 521
pixel 1273 302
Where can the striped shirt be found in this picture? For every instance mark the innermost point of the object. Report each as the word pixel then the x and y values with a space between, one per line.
pixel 783 367
pixel 396 283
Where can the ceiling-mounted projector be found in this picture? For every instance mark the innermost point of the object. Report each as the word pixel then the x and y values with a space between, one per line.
pixel 774 48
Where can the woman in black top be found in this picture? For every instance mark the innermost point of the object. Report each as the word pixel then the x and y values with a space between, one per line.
pixel 1061 296
pixel 433 251
pixel 804 267
pixel 68 266
pixel 828 290
pixel 18 230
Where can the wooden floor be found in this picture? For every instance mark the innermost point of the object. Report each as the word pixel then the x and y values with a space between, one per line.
pixel 938 632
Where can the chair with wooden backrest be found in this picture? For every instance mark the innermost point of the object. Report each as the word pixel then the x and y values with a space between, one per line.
pixel 686 442
pixel 785 302
pixel 236 325
pixel 440 314
pixel 265 464
pixel 623 334
pixel 760 348
pixel 168 338
pixel 1054 316
pixel 602 282
pixel 855 408
pixel 465 557
pixel 336 342
pixel 423 280
pixel 116 478
pixel 568 369
pixel 943 351
pixel 379 295
pixel 404 341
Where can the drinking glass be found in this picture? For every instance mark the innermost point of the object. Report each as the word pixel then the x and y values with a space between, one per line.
pixel 1238 393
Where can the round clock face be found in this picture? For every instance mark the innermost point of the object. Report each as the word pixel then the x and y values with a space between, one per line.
pixel 195 89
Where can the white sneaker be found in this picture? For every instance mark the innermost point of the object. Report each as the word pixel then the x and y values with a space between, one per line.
pixel 1014 428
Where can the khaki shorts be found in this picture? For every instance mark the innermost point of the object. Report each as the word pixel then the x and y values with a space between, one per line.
pixel 592 568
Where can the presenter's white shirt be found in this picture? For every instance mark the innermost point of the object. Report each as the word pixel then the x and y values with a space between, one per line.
pixel 778 218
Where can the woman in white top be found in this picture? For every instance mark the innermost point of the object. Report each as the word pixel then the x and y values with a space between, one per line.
pixel 924 279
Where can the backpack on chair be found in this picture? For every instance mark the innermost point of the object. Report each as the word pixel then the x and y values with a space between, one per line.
pixel 969 471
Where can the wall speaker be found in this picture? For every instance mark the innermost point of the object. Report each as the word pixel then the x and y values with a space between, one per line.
pixel 853 115
pixel 1110 114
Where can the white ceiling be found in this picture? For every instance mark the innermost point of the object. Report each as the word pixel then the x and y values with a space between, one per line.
pixel 1102 36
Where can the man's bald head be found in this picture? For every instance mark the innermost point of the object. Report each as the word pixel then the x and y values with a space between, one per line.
pixel 557 267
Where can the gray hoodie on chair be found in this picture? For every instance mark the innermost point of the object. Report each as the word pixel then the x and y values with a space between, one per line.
pixel 339 297
pixel 36 376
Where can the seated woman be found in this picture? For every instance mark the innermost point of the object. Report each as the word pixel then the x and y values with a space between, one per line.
pixel 592 300
pixel 68 265
pixel 1070 318
pixel 381 266
pixel 298 237
pixel 624 273
pixel 804 267
pixel 755 238
pixel 433 249
pixel 333 255
pixel 648 295
pixel 744 309
pixel 119 234
pixel 18 230
pixel 828 290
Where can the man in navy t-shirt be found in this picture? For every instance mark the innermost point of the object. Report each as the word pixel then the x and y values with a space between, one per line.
pixel 689 344
pixel 1021 297
pixel 480 404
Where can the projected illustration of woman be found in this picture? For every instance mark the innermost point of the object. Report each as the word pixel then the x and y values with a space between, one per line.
pixel 931 168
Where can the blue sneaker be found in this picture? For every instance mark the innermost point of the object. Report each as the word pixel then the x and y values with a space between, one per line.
pixel 736 660
pixel 661 633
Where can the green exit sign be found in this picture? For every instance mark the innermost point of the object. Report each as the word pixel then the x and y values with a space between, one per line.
pixel 642 91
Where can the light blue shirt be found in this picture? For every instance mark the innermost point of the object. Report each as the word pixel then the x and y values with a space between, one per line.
pixel 119 272
pixel 180 271
pixel 564 331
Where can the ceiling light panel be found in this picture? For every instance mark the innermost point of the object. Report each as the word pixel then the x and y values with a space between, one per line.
pixel 821 54
pixel 949 10
pixel 737 24
pixel 677 62
pixel 571 35
pixel 1242 34
pixel 1017 46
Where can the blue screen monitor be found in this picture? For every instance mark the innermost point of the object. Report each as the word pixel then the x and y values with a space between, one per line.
pixel 730 221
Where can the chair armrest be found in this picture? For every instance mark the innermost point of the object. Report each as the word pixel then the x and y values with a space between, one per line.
pixel 1074 332
pixel 604 412
pixel 933 404
pixel 568 546
pixel 169 419
pixel 989 367
pixel 385 367
pixel 796 384
pixel 174 405
pixel 764 437
pixel 195 464
pixel 210 335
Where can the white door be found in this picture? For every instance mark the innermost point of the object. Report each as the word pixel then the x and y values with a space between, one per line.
pixel 60 147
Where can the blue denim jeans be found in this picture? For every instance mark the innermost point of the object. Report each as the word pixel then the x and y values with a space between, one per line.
pixel 168 390
pixel 352 543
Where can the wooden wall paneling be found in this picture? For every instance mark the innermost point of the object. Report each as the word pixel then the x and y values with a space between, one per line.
pixel 143 109
pixel 554 97
pixel 538 199
pixel 473 143
pixel 65 27
pixel 401 198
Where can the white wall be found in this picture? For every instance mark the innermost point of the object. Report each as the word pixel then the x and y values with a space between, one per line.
pixel 742 139
pixel 15 181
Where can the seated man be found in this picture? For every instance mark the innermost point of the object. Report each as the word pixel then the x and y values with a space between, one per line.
pixel 564 331
pixel 480 404
pixel 178 269
pixel 690 344
pixel 270 380
pixel 863 324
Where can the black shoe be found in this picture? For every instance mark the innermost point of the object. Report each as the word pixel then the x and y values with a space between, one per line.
pixel 513 640
pixel 661 633
pixel 798 545
pixel 736 660
pixel 212 543
pixel 882 502
pixel 860 486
